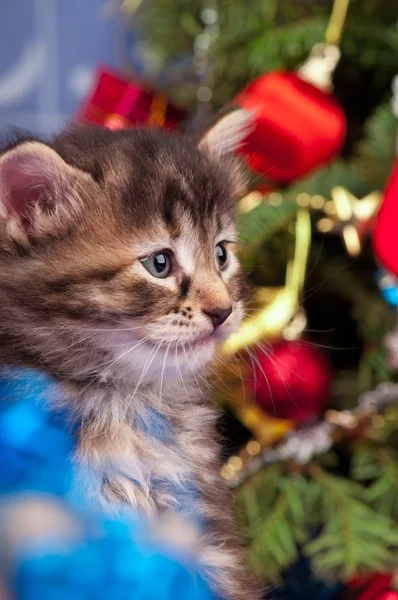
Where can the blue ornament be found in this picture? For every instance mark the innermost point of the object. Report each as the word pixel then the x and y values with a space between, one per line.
pixel 107 558
pixel 388 285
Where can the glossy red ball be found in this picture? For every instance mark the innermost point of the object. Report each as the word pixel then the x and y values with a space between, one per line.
pixel 385 238
pixel 291 380
pixel 297 126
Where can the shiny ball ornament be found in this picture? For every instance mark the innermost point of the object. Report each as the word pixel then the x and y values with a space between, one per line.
pixel 385 238
pixel 374 587
pixel 297 126
pixel 388 285
pixel 291 380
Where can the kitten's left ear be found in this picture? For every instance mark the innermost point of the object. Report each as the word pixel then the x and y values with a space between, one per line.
pixel 228 134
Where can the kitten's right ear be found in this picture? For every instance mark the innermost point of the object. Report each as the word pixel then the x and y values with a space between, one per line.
pixel 38 191
pixel 228 133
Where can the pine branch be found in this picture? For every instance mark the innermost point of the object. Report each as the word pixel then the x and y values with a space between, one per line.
pixel 277 524
pixel 381 467
pixel 376 153
pixel 354 538
pixel 286 45
pixel 257 226
pixel 257 37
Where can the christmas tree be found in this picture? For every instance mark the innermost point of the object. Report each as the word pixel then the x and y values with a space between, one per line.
pixel 311 407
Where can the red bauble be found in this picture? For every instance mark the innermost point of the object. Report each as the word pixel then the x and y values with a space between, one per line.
pixel 298 126
pixel 291 380
pixel 374 587
pixel 119 103
pixel 385 237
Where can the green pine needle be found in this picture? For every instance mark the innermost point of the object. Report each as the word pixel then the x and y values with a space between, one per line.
pixel 275 520
pixel 354 537
pixel 281 511
pixel 380 466
pixel 376 153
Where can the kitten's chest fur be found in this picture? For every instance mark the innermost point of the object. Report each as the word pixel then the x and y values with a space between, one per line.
pixel 158 453
pixel 151 451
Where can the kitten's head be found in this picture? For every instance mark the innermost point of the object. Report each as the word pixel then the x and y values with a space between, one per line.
pixel 117 250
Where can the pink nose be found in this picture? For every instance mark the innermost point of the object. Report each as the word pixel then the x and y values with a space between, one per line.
pixel 218 315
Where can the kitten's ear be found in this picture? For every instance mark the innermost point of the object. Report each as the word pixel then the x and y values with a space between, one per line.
pixel 37 190
pixel 228 134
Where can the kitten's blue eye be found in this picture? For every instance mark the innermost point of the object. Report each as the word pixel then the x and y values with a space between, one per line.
pixel 158 264
pixel 221 255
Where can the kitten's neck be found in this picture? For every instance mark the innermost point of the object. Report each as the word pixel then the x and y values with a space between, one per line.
pixel 106 404
pixel 145 448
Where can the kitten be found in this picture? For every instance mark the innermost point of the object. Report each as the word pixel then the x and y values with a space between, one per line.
pixel 118 277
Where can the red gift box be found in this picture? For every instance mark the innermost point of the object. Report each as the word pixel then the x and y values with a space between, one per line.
pixel 297 126
pixel 118 103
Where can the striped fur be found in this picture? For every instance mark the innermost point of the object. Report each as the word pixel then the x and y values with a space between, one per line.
pixel 76 216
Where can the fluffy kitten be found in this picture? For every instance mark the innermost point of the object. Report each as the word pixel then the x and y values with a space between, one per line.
pixel 118 277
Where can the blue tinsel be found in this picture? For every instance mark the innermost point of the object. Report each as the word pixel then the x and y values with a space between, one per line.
pixel 111 559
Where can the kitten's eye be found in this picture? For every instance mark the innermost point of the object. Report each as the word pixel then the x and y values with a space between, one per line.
pixel 221 255
pixel 158 264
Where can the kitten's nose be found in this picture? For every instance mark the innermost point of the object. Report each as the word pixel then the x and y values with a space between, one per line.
pixel 218 315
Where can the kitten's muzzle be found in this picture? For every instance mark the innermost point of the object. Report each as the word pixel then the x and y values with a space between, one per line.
pixel 218 315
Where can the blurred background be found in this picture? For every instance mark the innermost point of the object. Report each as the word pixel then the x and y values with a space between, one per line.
pixel 48 52
pixel 308 387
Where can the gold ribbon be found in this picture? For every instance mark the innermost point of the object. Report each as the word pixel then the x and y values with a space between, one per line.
pixel 278 306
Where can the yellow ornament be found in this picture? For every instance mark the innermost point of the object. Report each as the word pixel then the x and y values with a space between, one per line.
pixel 276 306
pixel 276 311
pixel 353 217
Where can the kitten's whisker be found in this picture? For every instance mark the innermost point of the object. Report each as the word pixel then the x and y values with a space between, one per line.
pixel 180 374
pixel 268 352
pixel 242 381
pixel 147 365
pixel 115 360
pixel 228 365
pixel 187 359
pixel 162 371
pixel 220 389
pixel 79 328
pixel 262 371
pixel 273 361
pixel 311 291
pixel 327 347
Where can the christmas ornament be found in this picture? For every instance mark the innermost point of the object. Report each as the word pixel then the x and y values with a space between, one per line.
pixel 291 380
pixel 303 444
pixel 276 308
pixel 374 587
pixel 275 311
pixel 385 237
pixel 297 126
pixel 353 218
pixel 388 285
pixel 118 103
